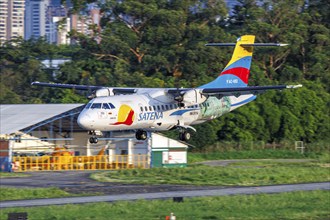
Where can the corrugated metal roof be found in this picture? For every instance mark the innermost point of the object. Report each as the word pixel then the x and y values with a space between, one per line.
pixel 19 116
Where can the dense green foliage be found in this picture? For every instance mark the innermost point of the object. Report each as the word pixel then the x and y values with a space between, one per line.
pixel 161 44
pixel 292 205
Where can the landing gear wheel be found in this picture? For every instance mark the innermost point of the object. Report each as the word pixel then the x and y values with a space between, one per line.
pixel 185 136
pixel 93 140
pixel 141 135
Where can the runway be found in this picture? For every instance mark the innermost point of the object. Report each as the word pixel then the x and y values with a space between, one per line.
pixel 169 194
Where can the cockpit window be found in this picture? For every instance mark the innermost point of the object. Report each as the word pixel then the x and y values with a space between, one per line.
pixel 88 105
pixel 105 106
pixel 96 105
pixel 99 106
pixel 111 105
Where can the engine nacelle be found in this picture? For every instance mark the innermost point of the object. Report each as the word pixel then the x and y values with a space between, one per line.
pixel 104 92
pixel 193 97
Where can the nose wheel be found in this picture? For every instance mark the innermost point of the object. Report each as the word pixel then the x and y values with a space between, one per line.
pixel 93 140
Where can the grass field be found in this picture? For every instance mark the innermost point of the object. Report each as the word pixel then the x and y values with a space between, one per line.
pixel 293 205
pixel 242 174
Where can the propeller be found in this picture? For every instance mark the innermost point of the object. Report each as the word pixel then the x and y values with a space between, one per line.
pixel 178 96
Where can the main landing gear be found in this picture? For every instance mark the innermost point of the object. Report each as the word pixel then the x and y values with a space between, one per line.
pixel 184 135
pixel 141 135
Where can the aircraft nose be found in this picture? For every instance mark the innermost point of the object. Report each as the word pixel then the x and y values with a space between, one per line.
pixel 84 121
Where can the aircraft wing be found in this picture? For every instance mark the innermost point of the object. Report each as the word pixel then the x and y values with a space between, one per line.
pixel 234 91
pixel 66 86
pixel 84 87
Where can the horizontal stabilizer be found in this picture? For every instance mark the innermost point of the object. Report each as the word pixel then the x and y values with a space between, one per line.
pixel 246 45
pixel 238 91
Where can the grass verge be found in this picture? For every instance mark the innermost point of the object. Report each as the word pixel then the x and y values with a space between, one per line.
pixel 194 157
pixel 8 193
pixel 242 174
pixel 293 205
pixel 6 175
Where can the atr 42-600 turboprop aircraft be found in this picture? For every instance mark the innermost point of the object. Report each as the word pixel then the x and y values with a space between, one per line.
pixel 160 109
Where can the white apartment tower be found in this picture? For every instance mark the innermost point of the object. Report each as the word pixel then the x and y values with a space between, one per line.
pixel 11 19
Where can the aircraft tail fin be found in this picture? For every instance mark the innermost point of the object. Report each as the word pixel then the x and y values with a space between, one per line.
pixel 237 71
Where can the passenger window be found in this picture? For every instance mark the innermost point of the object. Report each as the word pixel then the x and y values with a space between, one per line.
pixel 158 107
pixel 105 106
pixel 146 108
pixel 154 107
pixel 141 109
pixel 150 109
pixel 163 108
pixel 111 105
pixel 96 105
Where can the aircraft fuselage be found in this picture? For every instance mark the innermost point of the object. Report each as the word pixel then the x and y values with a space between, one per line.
pixel 152 111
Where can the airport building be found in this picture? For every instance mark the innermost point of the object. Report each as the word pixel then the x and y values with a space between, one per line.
pixel 37 137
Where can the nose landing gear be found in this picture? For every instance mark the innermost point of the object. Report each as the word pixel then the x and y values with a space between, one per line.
pixel 93 139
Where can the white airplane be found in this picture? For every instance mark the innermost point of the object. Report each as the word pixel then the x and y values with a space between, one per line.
pixel 159 109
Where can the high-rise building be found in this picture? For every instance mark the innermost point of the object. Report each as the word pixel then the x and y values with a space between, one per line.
pixel 63 28
pixel 82 23
pixel 3 19
pixel 47 18
pixel 35 18
pixel 56 15
pixel 11 19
